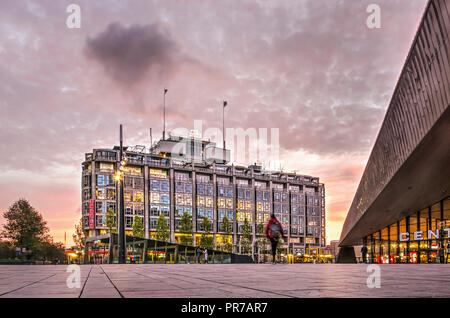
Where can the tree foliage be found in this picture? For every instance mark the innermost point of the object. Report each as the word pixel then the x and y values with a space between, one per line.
pixel 110 220
pixel 206 239
pixel 162 229
pixel 246 237
pixel 79 238
pixel 227 229
pixel 138 227
pixel 24 226
pixel 186 229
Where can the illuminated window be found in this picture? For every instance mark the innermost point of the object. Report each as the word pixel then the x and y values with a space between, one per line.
pixel 241 205
pixel 138 196
pixel 221 203
pixel 179 199
pixel 229 203
pixel 128 196
pixel 111 194
pixel 106 166
pixel 188 199
pixel 259 207
pixel 101 194
pixel 248 205
pixel 200 200
pixel 266 207
pixel 209 202
pixel 158 173
pixel 155 197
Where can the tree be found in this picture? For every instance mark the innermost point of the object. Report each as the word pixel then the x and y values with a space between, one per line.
pixel 162 229
pixel 24 226
pixel 186 229
pixel 227 229
pixel 261 242
pixel 138 227
pixel 246 237
pixel 110 220
pixel 79 238
pixel 206 239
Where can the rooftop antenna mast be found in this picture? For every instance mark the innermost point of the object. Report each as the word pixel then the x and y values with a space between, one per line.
pixel 164 115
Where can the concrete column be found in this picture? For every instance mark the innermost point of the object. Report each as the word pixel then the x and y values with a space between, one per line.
pixel 146 202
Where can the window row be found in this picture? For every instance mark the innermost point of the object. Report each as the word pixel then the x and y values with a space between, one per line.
pixel 136 183
pixel 136 196
pixel 163 198
pixel 204 201
pixel 105 194
pixel 222 213
pixel 103 207
pixel 183 199
pixel 104 180
pixel 244 205
pixel 225 192
pixel 159 185
pixel 262 195
pixel 262 206
pixel 157 210
pixel 225 203
pixel 183 187
pixel 137 209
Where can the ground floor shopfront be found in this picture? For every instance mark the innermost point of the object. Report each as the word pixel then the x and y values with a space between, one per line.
pixel 422 237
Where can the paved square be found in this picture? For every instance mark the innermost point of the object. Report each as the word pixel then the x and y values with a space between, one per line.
pixel 225 281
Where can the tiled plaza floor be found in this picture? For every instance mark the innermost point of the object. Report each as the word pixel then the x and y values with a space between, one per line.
pixel 226 281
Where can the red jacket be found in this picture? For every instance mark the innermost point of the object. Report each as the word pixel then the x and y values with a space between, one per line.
pixel 266 230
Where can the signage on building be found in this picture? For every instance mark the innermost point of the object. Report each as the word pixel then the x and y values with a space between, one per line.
pixel 91 214
pixel 419 235
pixel 310 240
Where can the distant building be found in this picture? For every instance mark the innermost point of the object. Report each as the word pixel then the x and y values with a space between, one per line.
pixel 191 175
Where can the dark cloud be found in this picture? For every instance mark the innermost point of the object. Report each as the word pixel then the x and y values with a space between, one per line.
pixel 128 53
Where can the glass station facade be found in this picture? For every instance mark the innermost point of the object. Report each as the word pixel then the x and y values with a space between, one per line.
pixel 420 238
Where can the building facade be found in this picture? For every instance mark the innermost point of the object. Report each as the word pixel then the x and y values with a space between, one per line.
pixel 170 179
pixel 401 209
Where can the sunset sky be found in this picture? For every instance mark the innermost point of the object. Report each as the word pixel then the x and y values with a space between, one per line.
pixel 311 68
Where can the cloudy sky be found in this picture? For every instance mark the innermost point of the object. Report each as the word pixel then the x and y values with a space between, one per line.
pixel 311 68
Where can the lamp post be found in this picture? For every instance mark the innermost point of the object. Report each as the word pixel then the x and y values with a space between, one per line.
pixel 119 178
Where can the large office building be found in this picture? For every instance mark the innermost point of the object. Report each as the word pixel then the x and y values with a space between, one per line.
pixel 401 209
pixel 187 174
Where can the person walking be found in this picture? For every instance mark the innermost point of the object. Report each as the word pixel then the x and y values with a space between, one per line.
pixel 274 231
pixel 205 252
pixel 198 251
pixel 364 253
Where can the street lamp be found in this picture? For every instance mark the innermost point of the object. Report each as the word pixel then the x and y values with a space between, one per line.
pixel 118 177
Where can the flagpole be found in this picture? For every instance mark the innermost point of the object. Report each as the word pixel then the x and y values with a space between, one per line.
pixel 223 122
pixel 164 116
